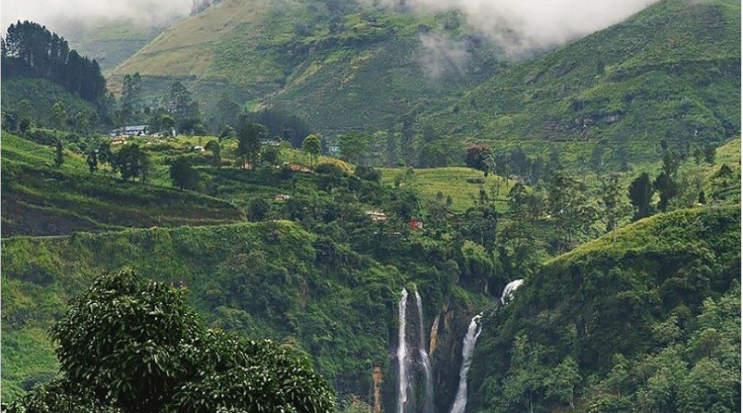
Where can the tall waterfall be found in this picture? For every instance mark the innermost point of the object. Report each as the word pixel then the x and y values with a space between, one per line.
pixel 402 356
pixel 428 401
pixel 468 347
pixel 508 291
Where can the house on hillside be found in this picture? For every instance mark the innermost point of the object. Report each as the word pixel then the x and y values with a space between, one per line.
pixel 377 216
pixel 297 167
pixel 134 130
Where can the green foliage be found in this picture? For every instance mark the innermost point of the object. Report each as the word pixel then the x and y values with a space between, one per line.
pixel 39 199
pixel 480 157
pixel 183 174
pixel 311 146
pixel 623 325
pixel 669 72
pixel 137 346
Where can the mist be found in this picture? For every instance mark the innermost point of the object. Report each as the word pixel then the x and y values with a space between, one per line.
pixel 57 14
pixel 443 56
pixel 521 26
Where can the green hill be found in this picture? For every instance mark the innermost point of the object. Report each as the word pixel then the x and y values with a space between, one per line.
pixel 622 325
pixel 670 72
pixel 39 199
pixel 268 280
pixel 345 67
pixel 33 98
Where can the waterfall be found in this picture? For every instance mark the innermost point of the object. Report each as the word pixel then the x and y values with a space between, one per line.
pixel 468 347
pixel 428 401
pixel 402 356
pixel 508 291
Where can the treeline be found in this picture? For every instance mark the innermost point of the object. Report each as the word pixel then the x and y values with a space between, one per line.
pixel 31 50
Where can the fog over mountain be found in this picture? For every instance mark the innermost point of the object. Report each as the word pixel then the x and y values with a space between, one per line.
pixel 525 25
pixel 59 13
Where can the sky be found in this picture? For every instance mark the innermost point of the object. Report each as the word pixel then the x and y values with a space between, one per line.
pixel 53 13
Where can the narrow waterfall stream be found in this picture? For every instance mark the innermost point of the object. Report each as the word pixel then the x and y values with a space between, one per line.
pixel 425 361
pixel 468 347
pixel 402 356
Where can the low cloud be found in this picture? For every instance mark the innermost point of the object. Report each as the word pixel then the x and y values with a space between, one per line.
pixel 442 55
pixel 519 26
pixel 58 13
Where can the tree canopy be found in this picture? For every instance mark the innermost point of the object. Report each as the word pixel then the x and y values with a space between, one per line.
pixel 31 50
pixel 129 345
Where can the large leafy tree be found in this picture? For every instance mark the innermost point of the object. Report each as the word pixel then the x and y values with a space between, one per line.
pixel 311 146
pixel 128 345
pixel 249 140
pixel 480 157
pixel 641 196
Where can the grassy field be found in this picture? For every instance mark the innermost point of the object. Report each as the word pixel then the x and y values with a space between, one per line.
pixel 452 182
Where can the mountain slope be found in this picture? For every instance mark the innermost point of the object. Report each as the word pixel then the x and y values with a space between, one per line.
pixel 341 67
pixel 671 72
pixel 268 280
pixel 638 301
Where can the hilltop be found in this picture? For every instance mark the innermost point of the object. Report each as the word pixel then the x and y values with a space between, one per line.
pixel 671 72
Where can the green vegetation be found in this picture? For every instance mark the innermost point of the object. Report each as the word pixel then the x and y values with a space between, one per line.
pixel 623 325
pixel 41 200
pixel 131 346
pixel 461 184
pixel 339 68
pixel 670 72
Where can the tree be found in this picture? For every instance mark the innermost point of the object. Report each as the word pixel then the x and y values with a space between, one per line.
pixel 665 183
pixel 709 153
pixel 611 197
pixel 129 161
pixel 216 151
pixel 58 154
pixel 183 174
pixel 249 142
pixel 59 114
pixel 353 146
pixel 257 209
pixel 92 160
pixel 570 210
pixel 182 108
pixel 480 157
pixel 641 195
pixel 127 345
pixel 311 146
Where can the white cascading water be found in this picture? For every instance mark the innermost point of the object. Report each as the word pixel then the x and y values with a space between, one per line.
pixel 402 356
pixel 428 401
pixel 468 347
pixel 508 291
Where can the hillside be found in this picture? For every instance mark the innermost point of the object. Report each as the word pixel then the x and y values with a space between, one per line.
pixel 623 323
pixel 268 280
pixel 38 199
pixel 671 72
pixel 343 67
pixel 109 42
pixel 34 98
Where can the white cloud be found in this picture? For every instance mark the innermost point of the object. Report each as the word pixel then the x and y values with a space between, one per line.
pixel 53 13
pixel 522 25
